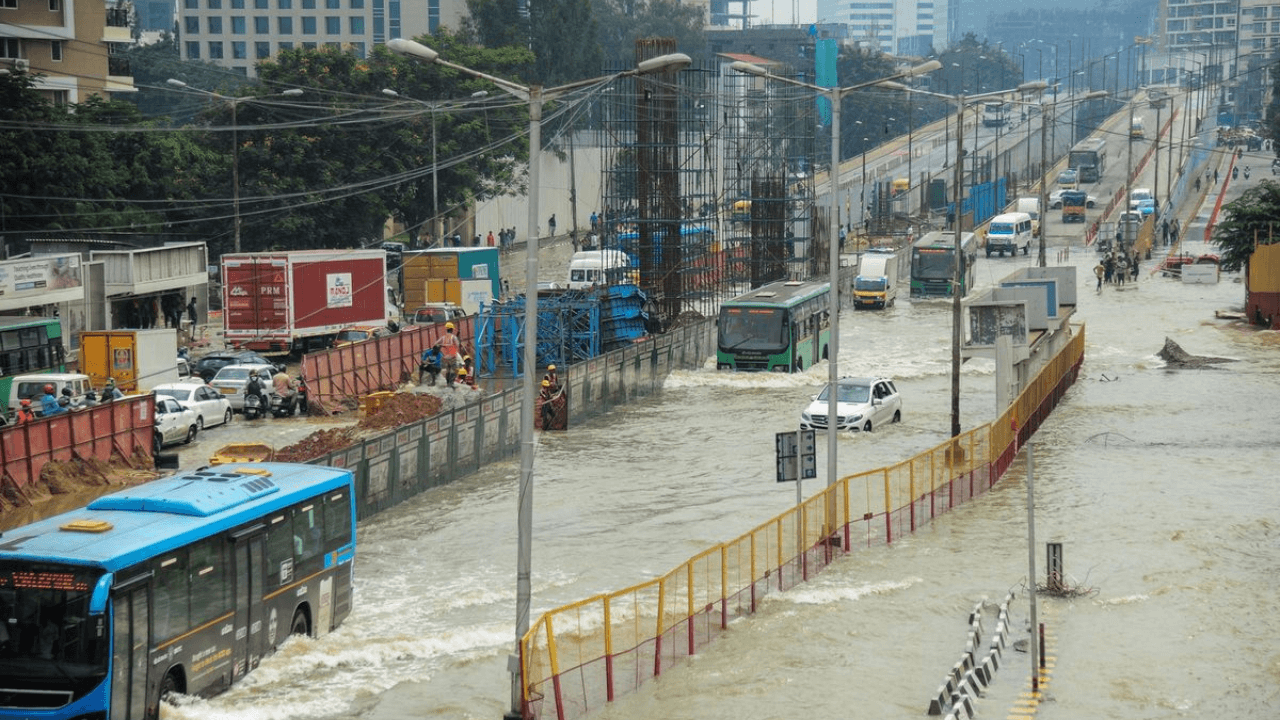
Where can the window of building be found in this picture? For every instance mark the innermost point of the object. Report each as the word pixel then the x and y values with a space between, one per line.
pixel 358 49
pixel 333 45
pixel 356 4
pixel 192 24
pixel 332 4
pixel 308 4
pixel 191 4
pixel 309 45
pixel 261 25
pixel 284 25
pixel 215 25
pixel 357 25
pixel 55 50
pixel 237 4
pixel 237 25
pixel 285 45
pixel 215 49
pixel 61 98
pixel 213 4
pixel 332 25
pixel 262 50
pixel 308 25
pixel 193 50
pixel 239 51
pixel 260 4
pixel 55 5
pixel 9 4
pixel 284 4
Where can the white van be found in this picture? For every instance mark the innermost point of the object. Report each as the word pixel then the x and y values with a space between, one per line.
pixel 31 387
pixel 599 267
pixel 1008 233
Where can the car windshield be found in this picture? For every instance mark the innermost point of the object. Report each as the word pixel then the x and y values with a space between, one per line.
pixel 868 283
pixel 849 393
pixel 1001 229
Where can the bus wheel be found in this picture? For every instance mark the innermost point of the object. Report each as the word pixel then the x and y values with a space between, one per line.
pixel 168 686
pixel 300 625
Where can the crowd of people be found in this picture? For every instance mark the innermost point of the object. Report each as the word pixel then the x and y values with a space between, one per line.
pixel 1115 267
pixel 50 401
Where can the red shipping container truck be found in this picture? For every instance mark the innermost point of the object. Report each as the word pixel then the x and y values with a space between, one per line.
pixel 297 301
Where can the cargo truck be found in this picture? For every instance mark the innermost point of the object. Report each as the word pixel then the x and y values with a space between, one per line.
pixel 296 301
pixel 463 276
pixel 876 284
pixel 137 360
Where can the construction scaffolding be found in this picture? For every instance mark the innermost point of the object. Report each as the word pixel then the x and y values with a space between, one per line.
pixel 708 183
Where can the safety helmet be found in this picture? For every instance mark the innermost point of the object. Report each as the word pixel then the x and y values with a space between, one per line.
pixel 448 326
pixel 546 383
pixel 26 402
pixel 462 371
pixel 48 389
pixel 551 366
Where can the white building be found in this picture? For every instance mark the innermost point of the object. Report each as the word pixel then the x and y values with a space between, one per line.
pixel 898 27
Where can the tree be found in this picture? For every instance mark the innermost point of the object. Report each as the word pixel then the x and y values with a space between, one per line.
pixel 972 66
pixel 622 22
pixel 1249 220
pixel 869 117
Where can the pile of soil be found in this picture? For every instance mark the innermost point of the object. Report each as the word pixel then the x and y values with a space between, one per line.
pixel 90 477
pixel 320 442
pixel 400 409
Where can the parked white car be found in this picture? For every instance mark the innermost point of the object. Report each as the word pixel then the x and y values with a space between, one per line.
pixel 1055 200
pixel 861 404
pixel 174 423
pixel 232 379
pixel 212 408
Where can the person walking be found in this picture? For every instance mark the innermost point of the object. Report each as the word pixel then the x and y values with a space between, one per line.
pixel 191 314
pixel 595 222
pixel 1109 268
pixel 1099 270
pixel 551 226
pixel 490 239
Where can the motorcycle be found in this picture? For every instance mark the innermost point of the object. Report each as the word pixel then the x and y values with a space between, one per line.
pixel 253 407
pixel 283 406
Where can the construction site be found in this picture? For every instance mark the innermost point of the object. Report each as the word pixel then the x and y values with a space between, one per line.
pixel 708 188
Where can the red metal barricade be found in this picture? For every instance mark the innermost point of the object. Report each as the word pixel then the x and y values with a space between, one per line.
pixel 120 428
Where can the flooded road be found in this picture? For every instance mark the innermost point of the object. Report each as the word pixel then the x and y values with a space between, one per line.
pixel 1158 483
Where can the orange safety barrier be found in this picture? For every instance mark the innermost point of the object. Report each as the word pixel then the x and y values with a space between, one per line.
pixel 577 657
pixel 383 363
pixel 122 427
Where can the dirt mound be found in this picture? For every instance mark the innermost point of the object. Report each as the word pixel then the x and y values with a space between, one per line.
pixel 78 476
pixel 320 442
pixel 401 409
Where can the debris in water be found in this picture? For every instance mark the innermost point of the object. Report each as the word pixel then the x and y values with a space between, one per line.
pixel 1173 354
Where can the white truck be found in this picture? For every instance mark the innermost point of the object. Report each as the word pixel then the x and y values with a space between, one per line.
pixel 876 284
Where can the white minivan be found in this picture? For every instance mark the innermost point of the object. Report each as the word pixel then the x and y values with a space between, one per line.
pixel 600 267
pixel 31 387
pixel 1008 233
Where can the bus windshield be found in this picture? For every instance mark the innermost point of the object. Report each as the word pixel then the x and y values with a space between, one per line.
pixel 753 328
pixel 46 632
pixel 934 263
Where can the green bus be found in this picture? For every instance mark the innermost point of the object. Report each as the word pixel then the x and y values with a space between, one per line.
pixel 780 327
pixel 933 264
pixel 29 345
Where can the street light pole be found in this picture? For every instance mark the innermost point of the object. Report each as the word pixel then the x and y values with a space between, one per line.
pixel 234 102
pixel 535 96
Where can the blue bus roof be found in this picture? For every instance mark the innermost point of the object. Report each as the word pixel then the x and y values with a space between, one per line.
pixel 781 294
pixel 126 527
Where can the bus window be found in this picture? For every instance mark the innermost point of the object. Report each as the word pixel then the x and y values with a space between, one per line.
pixel 280 549
pixel 170 616
pixel 210 589
pixel 306 532
pixel 337 521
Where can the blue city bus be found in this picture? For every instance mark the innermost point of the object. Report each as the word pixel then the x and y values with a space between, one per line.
pixel 780 327
pixel 179 585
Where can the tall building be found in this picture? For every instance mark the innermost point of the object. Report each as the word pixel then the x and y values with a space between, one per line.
pixel 898 27
pixel 71 44
pixel 238 33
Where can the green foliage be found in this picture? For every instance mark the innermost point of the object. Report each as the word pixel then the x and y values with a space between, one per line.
pixel 971 67
pixel 1249 220
pixel 564 42
pixel 497 23
pixel 869 117
pixel 622 22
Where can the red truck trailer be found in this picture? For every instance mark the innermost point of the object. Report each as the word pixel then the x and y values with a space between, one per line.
pixel 296 301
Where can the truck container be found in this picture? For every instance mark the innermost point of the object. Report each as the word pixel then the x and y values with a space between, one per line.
pixel 137 360
pixel 296 301
pixel 876 284
pixel 464 264
pixel 467 294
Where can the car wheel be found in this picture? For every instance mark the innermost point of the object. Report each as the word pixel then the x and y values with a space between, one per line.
pixel 191 435
pixel 897 416
pixel 199 422
pixel 226 418
pixel 867 427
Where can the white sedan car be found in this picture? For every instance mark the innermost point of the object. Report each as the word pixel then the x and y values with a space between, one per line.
pixel 211 407
pixel 862 404
pixel 174 423
pixel 1055 200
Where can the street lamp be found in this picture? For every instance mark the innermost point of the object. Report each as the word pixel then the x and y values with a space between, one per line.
pixel 535 96
pixel 961 102
pixel 1044 164
pixel 234 102
pixel 836 95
